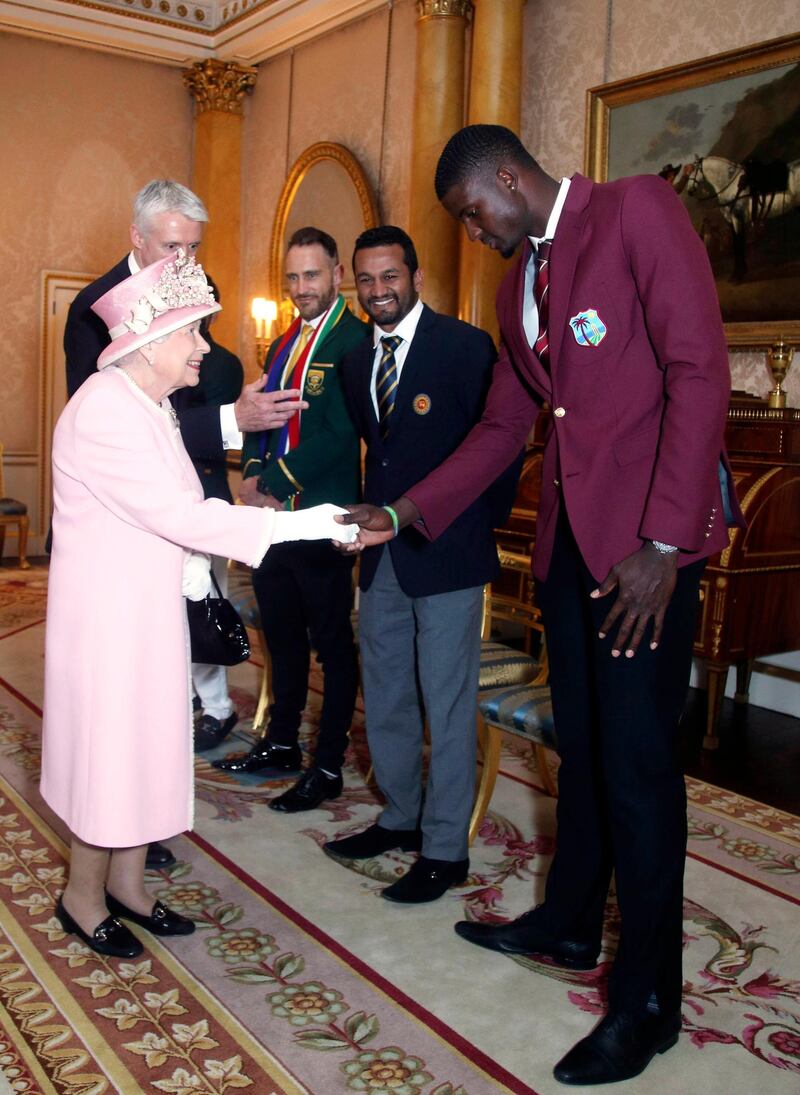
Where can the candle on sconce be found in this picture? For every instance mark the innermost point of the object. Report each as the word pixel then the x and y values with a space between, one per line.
pixel 264 313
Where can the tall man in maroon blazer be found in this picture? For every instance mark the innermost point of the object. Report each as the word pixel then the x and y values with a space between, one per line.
pixel 623 338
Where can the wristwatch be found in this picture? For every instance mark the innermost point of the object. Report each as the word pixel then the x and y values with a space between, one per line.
pixel 662 548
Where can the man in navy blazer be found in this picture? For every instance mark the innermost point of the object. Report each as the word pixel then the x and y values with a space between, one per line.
pixel 414 390
pixel 168 216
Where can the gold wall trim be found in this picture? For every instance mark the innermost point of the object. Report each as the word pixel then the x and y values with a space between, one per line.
pixel 147 17
pixel 441 9
pixel 219 85
pixel 314 154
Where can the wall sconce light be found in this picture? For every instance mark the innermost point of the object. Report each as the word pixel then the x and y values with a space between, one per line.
pixel 264 313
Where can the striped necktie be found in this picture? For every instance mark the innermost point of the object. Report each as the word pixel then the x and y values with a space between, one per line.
pixel 386 382
pixel 542 298
pixel 300 344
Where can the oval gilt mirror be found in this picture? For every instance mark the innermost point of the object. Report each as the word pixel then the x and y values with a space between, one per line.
pixel 326 188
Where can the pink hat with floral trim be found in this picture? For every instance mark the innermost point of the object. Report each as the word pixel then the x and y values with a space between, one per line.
pixel 169 294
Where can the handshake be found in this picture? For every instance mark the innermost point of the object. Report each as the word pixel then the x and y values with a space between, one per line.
pixel 325 522
pixel 351 529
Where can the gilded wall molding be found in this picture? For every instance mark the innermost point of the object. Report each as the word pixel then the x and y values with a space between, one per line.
pixel 323 150
pixel 439 9
pixel 219 85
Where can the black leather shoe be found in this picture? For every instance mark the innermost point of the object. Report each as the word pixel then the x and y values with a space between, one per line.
pixel 263 757
pixel 619 1047
pixel 158 857
pixel 209 732
pixel 426 880
pixel 313 787
pixel 109 937
pixel 374 841
pixel 161 921
pixel 520 936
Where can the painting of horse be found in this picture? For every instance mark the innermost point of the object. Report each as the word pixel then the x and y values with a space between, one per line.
pixel 742 201
pixel 724 132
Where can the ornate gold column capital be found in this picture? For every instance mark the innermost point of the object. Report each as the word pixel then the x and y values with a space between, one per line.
pixel 430 9
pixel 219 85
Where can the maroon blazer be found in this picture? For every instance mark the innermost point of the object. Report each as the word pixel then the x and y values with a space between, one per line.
pixel 638 412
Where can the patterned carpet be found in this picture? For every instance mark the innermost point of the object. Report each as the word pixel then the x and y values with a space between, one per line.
pixel 301 978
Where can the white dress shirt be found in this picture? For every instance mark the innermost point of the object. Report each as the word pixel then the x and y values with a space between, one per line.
pixel 405 329
pixel 530 313
pixel 231 434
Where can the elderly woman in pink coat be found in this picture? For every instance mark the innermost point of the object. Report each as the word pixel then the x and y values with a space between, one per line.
pixel 129 521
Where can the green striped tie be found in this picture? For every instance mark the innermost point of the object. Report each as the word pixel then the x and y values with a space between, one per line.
pixel 386 382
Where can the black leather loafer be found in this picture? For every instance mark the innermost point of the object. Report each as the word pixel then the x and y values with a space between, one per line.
pixel 620 1047
pixel 209 732
pixel 523 937
pixel 426 880
pixel 264 757
pixel 158 857
pixel 109 937
pixel 161 921
pixel 374 841
pixel 313 787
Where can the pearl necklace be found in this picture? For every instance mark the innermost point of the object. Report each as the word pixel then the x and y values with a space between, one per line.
pixel 168 410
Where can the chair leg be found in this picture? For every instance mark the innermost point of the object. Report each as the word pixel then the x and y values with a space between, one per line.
pixel 23 543
pixel 264 695
pixel 489 739
pixel 540 756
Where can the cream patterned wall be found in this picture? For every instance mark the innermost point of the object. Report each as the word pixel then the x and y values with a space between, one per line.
pixel 577 44
pixel 82 131
pixel 334 89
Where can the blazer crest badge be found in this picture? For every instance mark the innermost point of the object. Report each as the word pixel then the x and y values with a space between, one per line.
pixel 588 328
pixel 315 381
pixel 422 403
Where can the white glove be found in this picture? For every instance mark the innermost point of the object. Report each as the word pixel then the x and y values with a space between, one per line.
pixel 196 583
pixel 316 523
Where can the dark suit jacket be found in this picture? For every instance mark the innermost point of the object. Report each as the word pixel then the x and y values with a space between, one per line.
pixel 440 397
pixel 221 379
pixel 85 336
pixel 639 414
pixel 325 465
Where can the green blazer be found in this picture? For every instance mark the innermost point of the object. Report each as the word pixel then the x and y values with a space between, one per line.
pixel 326 464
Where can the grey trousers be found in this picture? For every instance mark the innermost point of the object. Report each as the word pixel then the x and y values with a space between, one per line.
pixel 420 656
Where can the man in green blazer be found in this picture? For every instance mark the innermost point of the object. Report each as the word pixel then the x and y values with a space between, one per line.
pixel 305 589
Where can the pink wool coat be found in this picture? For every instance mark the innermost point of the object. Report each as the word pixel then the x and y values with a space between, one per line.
pixel 117 739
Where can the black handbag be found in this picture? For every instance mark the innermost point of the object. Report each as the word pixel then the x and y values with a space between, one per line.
pixel 216 631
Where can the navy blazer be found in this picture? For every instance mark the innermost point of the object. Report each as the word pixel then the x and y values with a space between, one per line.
pixel 85 336
pixel 440 397
pixel 221 380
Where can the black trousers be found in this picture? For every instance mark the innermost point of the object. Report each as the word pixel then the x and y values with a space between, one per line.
pixel 622 797
pixel 305 595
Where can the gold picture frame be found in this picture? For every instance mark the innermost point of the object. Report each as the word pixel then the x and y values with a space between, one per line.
pixel 316 154
pixel 746 103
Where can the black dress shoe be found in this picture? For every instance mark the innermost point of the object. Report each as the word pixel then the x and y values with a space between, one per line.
pixel 158 857
pixel 109 937
pixel 426 880
pixel 264 757
pixel 523 937
pixel 209 732
pixel 313 787
pixel 619 1047
pixel 374 841
pixel 161 921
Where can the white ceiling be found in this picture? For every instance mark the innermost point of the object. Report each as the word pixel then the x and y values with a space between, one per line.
pixel 179 32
